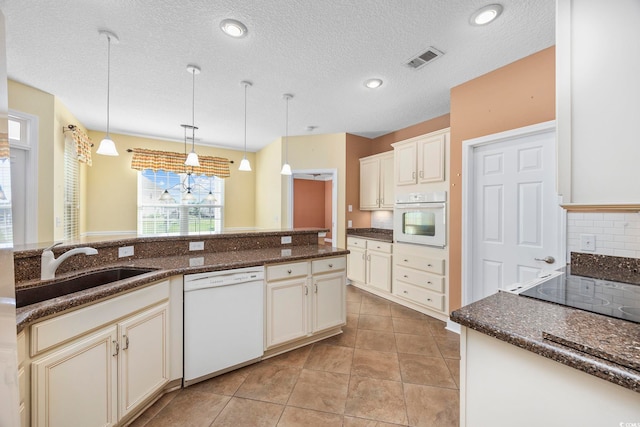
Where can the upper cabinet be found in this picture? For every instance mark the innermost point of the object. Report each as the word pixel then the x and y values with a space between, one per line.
pixel 376 182
pixel 597 90
pixel 421 160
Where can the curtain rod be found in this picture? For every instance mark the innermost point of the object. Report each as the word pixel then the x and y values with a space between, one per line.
pixel 71 128
pixel 129 150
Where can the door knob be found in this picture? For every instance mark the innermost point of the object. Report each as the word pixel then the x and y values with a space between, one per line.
pixel 547 259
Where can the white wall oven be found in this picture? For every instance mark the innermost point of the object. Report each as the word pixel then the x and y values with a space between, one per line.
pixel 421 218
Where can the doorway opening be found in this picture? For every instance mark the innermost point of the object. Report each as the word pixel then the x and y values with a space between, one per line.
pixel 314 201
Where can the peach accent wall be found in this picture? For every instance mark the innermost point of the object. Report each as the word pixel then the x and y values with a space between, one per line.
pixel 308 203
pixel 328 206
pixel 516 95
pixel 357 147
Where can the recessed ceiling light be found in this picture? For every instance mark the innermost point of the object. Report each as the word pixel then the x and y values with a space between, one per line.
pixel 233 28
pixel 486 14
pixel 373 83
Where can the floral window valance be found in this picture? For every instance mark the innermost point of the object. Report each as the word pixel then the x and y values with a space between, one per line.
pixel 4 146
pixel 174 162
pixel 82 142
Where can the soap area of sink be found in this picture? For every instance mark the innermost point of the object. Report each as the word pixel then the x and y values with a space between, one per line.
pixel 58 288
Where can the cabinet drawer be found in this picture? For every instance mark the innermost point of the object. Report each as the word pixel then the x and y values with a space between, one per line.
pixel 287 271
pixel 420 278
pixel 55 331
pixel 432 265
pixel 327 265
pixel 356 242
pixel 419 295
pixel 374 245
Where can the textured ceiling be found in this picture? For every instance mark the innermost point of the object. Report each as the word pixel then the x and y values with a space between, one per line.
pixel 320 51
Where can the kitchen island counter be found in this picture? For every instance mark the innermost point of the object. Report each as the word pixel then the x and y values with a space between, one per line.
pixel 601 346
pixel 167 266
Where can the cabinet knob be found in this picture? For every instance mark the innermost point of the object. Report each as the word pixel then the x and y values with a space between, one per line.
pixel 405 292
pixel 428 299
pixel 288 271
pixel 429 265
pixel 429 282
pixel 330 265
pixel 405 276
pixel 406 260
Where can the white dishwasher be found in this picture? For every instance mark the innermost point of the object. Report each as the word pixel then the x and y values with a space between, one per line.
pixel 223 321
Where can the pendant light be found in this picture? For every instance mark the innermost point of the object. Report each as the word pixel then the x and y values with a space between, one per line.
pixel 286 168
pixel 244 164
pixel 107 147
pixel 192 158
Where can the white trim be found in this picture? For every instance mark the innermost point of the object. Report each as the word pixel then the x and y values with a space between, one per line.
pixel 31 184
pixel 334 198
pixel 452 326
pixel 112 233
pixel 467 195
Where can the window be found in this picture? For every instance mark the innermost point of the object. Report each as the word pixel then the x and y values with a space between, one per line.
pixel 202 215
pixel 6 220
pixel 71 190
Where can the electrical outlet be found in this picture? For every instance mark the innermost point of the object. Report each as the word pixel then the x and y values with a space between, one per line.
pixel 284 240
pixel 125 251
pixel 349 224
pixel 588 242
pixel 285 252
pixel 350 208
pixel 196 246
pixel 196 262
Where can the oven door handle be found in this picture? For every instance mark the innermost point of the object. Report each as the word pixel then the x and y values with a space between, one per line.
pixel 420 205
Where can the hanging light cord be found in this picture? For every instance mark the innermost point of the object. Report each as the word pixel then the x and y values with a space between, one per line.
pixel 193 111
pixel 286 133
pixel 108 79
pixel 245 121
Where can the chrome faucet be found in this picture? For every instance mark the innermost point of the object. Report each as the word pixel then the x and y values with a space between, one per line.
pixel 49 264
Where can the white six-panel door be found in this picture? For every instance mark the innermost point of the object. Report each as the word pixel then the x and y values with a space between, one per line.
pixel 514 216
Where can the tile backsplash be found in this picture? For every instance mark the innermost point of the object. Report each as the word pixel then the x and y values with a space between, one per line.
pixel 382 219
pixel 616 234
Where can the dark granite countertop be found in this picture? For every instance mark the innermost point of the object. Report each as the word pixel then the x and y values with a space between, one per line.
pixel 380 234
pixel 167 266
pixel 605 347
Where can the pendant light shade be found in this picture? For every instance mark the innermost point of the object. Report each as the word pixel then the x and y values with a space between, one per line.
pixel 192 158
pixel 245 166
pixel 107 147
pixel 286 168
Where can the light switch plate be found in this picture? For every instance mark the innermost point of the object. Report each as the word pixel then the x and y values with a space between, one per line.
pixel 125 251
pixel 196 246
pixel 349 224
pixel 284 240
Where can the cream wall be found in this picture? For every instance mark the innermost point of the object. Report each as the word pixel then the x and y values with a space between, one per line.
pixel 269 182
pixel 41 104
pixel 112 186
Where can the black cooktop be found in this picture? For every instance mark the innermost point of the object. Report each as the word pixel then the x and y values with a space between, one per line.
pixel 614 299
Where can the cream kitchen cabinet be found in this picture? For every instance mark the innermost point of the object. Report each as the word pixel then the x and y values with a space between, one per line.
pixel 95 366
pixel 421 159
pixel 419 276
pixel 370 262
pixel 376 182
pixel 303 300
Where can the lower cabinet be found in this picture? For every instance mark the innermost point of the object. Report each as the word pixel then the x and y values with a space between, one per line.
pixel 303 299
pixel 100 378
pixel 370 262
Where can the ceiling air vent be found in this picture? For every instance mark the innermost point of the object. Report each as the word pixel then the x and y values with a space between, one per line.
pixel 424 58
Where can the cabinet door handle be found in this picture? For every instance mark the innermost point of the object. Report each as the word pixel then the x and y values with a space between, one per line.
pixel 316 288
pixel 117 348
pixel 126 342
pixel 368 257
pixel 363 256
pixel 421 174
pixel 306 290
pixel 413 175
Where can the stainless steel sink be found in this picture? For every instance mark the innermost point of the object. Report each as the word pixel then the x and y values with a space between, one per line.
pixel 68 286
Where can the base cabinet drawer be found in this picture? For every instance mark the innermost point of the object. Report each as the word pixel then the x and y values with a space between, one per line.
pixel 420 278
pixel 432 265
pixel 419 295
pixel 287 271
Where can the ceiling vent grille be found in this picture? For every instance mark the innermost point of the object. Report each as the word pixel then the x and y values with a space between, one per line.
pixel 424 58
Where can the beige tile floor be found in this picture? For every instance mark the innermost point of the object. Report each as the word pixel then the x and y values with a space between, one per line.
pixel 391 366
